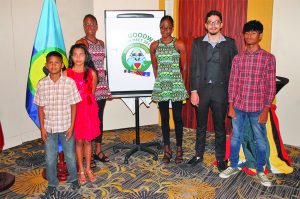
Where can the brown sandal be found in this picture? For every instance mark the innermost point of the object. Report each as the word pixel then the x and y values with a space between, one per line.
pixel 167 157
pixel 90 175
pixel 179 158
pixel 81 177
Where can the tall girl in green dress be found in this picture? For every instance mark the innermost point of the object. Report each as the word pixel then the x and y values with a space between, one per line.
pixel 168 56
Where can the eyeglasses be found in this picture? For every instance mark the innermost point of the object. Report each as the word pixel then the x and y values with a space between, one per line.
pixel 216 23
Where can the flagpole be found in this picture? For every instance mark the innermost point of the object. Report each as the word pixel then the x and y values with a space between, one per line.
pixel 48 38
pixel 62 172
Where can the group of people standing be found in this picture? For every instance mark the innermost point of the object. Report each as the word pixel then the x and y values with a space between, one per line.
pixel 220 78
pixel 242 85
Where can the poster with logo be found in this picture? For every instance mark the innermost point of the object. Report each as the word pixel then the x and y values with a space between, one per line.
pixel 128 38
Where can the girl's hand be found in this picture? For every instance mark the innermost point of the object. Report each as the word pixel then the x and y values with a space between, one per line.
pixel 69 134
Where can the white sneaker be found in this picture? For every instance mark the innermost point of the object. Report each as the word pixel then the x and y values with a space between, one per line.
pixel 228 172
pixel 264 180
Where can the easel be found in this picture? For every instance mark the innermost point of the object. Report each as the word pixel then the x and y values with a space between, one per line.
pixel 137 146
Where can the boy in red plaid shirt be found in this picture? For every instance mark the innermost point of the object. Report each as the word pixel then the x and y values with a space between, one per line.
pixel 251 90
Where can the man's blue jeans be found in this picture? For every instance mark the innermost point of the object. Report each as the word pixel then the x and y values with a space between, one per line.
pixel 259 131
pixel 51 149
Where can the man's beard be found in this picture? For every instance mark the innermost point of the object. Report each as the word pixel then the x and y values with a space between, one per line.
pixel 213 33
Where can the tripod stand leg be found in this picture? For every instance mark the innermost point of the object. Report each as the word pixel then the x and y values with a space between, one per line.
pixel 122 146
pixel 150 151
pixel 157 144
pixel 129 153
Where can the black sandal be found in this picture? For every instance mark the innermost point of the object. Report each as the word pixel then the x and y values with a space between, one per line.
pixel 93 164
pixel 103 159
pixel 179 154
pixel 167 157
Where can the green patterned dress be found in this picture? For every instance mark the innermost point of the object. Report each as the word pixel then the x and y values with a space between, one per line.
pixel 168 83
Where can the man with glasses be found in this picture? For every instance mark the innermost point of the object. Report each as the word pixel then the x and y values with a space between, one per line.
pixel 211 59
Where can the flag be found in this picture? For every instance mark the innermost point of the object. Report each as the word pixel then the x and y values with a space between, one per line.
pixel 48 38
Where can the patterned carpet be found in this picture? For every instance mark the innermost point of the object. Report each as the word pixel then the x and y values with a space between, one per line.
pixel 143 177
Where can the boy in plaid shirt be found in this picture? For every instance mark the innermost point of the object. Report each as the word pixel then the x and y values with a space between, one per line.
pixel 251 90
pixel 56 97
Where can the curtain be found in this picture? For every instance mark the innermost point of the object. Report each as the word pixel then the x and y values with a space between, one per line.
pixel 191 25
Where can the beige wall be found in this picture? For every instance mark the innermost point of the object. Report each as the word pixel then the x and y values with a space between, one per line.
pixel 116 114
pixel 18 22
pixel 286 48
pixel 263 13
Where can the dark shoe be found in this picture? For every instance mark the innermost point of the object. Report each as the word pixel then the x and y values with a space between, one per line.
pixel 167 157
pixel 75 185
pixel 179 158
pixel 222 165
pixel 103 159
pixel 194 161
pixel 50 191
pixel 93 164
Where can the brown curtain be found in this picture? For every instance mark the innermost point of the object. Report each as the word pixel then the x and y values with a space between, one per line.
pixel 191 25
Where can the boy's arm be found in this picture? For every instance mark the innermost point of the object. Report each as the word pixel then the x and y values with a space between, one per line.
pixel 231 111
pixel 270 90
pixel 263 117
pixel 70 130
pixel 41 113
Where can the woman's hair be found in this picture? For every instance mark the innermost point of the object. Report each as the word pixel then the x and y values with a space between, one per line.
pixel 88 62
pixel 90 16
pixel 167 17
